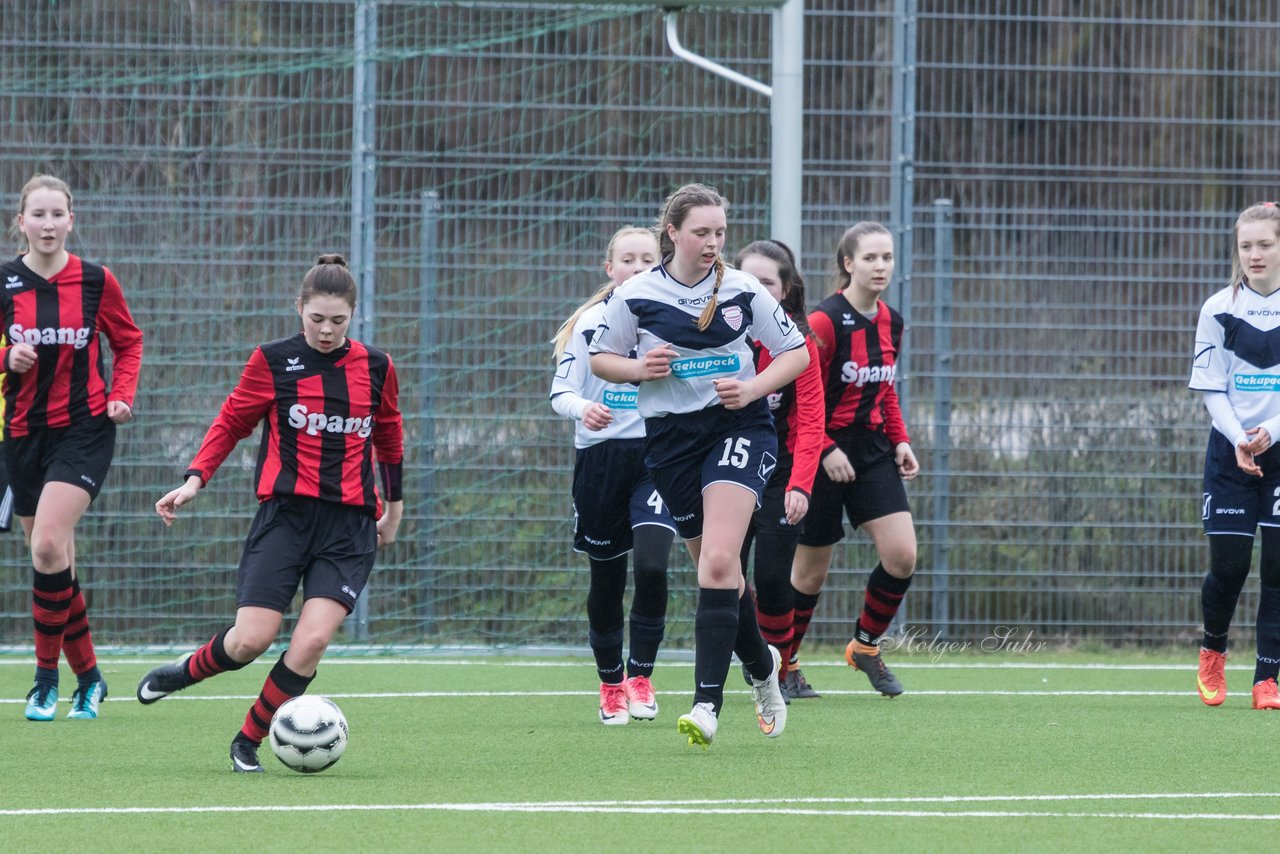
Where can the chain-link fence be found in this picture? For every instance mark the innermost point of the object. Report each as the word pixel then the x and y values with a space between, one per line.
pixel 475 157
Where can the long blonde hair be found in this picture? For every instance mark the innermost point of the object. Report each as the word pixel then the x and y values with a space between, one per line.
pixel 565 332
pixel 37 182
pixel 674 212
pixel 1261 212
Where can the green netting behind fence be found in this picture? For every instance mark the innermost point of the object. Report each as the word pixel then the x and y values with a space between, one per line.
pixel 1094 160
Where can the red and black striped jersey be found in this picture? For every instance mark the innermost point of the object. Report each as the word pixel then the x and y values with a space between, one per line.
pixel 859 357
pixel 62 317
pixel 324 415
pixel 798 418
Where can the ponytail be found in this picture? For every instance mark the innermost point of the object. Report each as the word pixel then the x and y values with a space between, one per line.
pixel 565 332
pixel 709 313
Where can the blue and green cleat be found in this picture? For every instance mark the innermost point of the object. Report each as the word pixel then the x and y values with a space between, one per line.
pixel 85 700
pixel 42 702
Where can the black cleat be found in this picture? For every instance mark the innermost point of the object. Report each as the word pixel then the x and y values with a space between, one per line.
pixel 244 755
pixel 796 687
pixel 866 658
pixel 163 681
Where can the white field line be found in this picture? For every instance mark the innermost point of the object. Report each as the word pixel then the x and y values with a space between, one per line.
pixel 750 806
pixel 395 695
pixel 1190 666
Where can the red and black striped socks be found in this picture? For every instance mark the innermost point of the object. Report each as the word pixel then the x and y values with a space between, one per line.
pixel 211 659
pixel 880 604
pixel 77 642
pixel 806 603
pixel 282 684
pixel 51 597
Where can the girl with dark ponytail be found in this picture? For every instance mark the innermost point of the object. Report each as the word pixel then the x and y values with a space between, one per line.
pixel 330 415
pixel 798 416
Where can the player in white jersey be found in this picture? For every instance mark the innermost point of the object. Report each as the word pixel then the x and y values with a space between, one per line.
pixel 1237 369
pixel 617 508
pixel 710 442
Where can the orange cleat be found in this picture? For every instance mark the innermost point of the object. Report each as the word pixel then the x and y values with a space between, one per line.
pixel 1212 679
pixel 1266 695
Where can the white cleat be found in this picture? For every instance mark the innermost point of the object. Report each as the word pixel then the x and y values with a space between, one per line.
pixel 641 703
pixel 613 705
pixel 771 706
pixel 699 725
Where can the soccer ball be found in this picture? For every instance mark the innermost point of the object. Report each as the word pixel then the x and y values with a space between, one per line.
pixel 308 734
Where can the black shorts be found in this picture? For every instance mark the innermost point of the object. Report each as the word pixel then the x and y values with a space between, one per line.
pixel 613 493
pixel 328 547
pixel 876 490
pixel 1235 502
pixel 79 454
pixel 771 515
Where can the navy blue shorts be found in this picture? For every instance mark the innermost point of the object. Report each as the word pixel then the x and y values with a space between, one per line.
pixel 79 454
pixel 687 452
pixel 876 490
pixel 1235 502
pixel 613 493
pixel 328 547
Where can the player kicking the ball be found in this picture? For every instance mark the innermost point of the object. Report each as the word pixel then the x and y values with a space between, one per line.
pixel 327 404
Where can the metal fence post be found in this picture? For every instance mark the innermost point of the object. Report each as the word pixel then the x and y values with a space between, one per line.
pixel 363 187
pixel 428 316
pixel 940 474
pixel 901 196
pixel 902 170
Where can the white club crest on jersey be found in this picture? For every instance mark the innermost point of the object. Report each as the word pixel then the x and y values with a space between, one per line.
pixel 732 315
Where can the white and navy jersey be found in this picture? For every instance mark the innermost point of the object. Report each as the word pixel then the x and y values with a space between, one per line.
pixel 652 308
pixel 1238 352
pixel 575 380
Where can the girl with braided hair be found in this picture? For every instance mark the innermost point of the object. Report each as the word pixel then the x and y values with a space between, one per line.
pixel 709 438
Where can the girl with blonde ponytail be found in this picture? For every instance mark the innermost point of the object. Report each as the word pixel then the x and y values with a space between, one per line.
pixel 682 331
pixel 616 506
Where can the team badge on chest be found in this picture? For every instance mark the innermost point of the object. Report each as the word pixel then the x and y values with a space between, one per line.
pixel 732 315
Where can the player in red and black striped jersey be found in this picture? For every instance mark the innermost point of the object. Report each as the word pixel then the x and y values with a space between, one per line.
pixel 61 412
pixel 868 453
pixel 798 420
pixel 329 406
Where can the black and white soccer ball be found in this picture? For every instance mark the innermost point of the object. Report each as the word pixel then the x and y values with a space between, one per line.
pixel 308 734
